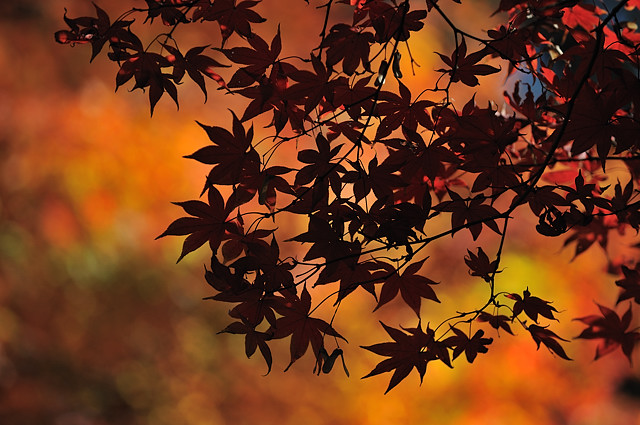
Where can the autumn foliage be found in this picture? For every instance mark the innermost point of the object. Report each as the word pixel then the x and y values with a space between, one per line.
pixel 380 168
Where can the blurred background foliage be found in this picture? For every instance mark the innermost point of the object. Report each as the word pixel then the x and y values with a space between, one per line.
pixel 98 325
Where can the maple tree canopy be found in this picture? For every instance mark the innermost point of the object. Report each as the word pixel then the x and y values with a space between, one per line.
pixel 377 163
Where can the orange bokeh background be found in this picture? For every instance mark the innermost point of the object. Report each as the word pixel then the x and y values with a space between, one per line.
pixel 98 325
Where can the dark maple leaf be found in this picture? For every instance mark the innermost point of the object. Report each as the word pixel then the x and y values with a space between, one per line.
pixel 242 242
pixel 231 17
pixel 461 343
pixel 170 15
pixel 398 222
pixel 396 23
pixel 257 59
pixel 357 99
pixel 593 123
pixel 596 230
pixel 303 329
pixel 310 88
pixel 231 154
pixel 253 339
pixel 255 305
pixel 349 45
pixel 480 265
pixel 351 276
pixel 552 222
pixel 473 213
pixel 532 306
pixel 412 287
pixel 465 68
pixel 270 94
pixel 196 66
pixel 406 352
pixel 498 322
pixel 319 165
pixel 630 284
pixel 208 223
pixel 400 110
pixel 326 241
pixel 544 198
pixel 549 339
pixel 264 183
pixel 379 179
pixel 612 329
pixel 509 43
pixel 146 69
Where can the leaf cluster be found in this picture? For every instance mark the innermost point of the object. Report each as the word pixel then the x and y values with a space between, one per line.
pixel 378 162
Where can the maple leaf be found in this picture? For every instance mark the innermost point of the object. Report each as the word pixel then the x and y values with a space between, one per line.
pixel 326 241
pixel 253 339
pixel 357 99
pixel 244 242
pixel 351 277
pixel 208 224
pixel 406 352
pixel 532 306
pixel 473 213
pixel 509 43
pixel 271 94
pixel 395 23
pixel 146 69
pixel 196 66
pixel 612 329
pixel 549 339
pixel 231 154
pixel 498 322
pixel 585 236
pixel 480 265
pixel 258 58
pixel 264 183
pixel 349 45
pixel 412 287
pixel 461 343
pixel 592 123
pixel 630 284
pixel 399 110
pixel 398 222
pixel 169 15
pixel 303 329
pixel 583 15
pixel 255 304
pixel 231 17
pixel 379 179
pixel 464 68
pixel 319 165
pixel 311 88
